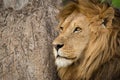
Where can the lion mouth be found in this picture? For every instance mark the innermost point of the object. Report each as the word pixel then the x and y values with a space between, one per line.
pixel 58 56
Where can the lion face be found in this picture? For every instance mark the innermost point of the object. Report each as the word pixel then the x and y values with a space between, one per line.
pixel 72 41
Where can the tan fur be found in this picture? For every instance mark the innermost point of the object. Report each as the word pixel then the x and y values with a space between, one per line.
pixel 96 48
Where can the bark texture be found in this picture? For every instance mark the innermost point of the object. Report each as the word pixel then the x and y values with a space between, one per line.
pixel 26 34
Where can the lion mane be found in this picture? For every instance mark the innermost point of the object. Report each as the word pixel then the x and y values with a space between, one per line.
pixel 102 56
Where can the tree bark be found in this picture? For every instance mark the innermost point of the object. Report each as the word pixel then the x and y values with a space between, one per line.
pixel 26 35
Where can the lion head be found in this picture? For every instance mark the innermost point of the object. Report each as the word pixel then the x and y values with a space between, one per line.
pixel 89 37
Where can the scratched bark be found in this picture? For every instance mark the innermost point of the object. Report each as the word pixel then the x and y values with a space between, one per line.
pixel 26 34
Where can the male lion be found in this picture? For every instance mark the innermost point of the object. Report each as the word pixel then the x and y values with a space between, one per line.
pixel 88 46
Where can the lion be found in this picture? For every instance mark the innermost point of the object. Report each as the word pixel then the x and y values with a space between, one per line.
pixel 88 44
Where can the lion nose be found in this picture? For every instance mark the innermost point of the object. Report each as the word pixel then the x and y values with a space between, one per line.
pixel 58 46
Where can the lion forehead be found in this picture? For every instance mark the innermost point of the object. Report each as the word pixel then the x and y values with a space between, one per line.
pixel 74 20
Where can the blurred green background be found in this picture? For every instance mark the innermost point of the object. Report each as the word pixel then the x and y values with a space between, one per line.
pixel 114 3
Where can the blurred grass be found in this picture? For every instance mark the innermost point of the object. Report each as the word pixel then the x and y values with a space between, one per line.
pixel 116 3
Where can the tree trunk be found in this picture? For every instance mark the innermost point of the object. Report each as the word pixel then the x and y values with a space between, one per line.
pixel 26 35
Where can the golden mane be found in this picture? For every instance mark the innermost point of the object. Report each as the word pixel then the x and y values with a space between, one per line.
pixel 86 7
pixel 103 53
pixel 89 8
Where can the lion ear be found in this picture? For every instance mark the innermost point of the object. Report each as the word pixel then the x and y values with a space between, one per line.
pixel 107 17
pixel 104 22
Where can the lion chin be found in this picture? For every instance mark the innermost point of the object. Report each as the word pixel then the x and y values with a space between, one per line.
pixel 88 44
pixel 61 62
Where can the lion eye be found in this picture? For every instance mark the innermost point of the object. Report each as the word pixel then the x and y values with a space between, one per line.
pixel 61 28
pixel 77 29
